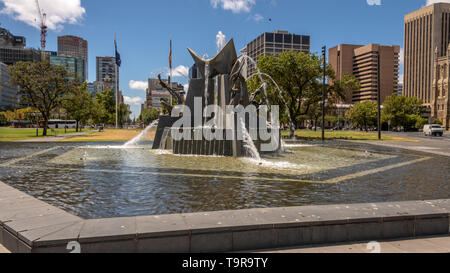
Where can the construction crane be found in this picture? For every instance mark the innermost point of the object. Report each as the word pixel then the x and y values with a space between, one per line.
pixel 43 17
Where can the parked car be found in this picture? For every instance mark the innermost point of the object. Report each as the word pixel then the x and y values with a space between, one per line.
pixel 433 130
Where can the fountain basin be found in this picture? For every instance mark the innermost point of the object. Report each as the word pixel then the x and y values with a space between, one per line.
pixel 112 181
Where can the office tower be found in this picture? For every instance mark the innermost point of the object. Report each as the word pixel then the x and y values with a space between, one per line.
pixel 72 46
pixel 275 43
pixel 74 66
pixel 427 37
pixel 156 92
pixel 362 62
pixel 106 71
pixel 8 93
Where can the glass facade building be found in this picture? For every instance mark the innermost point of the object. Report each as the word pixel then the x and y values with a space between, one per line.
pixel 75 66
pixel 8 93
pixel 275 43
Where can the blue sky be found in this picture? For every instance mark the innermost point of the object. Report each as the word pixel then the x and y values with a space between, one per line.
pixel 144 28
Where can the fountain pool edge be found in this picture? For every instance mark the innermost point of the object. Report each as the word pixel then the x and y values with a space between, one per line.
pixel 28 225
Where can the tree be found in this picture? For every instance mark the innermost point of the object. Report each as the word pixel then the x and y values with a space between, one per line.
pixel 364 114
pixel 299 76
pixel 106 111
pixel 149 115
pixel 79 104
pixel 3 119
pixel 124 113
pixel 42 86
pixel 401 111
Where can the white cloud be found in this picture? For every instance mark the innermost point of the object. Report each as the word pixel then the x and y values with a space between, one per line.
pixel 374 2
pixel 133 101
pixel 430 2
pixel 59 12
pixel 220 40
pixel 236 6
pixel 138 85
pixel 257 17
pixel 181 71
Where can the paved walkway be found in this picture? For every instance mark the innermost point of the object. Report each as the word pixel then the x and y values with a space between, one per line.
pixel 419 245
pixel 56 138
pixel 3 250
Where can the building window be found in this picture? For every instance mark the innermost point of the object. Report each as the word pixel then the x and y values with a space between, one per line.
pixel 279 38
pixel 269 37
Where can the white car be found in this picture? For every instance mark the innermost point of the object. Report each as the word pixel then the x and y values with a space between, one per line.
pixel 433 130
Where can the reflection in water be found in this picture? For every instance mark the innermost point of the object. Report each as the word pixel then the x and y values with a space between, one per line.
pixel 110 181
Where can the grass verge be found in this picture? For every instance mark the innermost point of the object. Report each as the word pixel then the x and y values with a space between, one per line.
pixel 343 135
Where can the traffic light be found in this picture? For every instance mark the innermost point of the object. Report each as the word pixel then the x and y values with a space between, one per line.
pixel 324 51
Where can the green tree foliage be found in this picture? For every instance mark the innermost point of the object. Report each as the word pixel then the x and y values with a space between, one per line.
pixel 124 113
pixel 364 114
pixel 106 111
pixel 401 111
pixel 42 86
pixel 149 115
pixel 299 76
pixel 3 120
pixel 80 105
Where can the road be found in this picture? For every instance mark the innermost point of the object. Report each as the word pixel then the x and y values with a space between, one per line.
pixel 422 143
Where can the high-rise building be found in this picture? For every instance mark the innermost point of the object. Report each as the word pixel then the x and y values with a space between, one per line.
pixel 11 41
pixel 155 92
pixel 362 62
pixel 270 43
pixel 74 66
pixel 106 70
pixel 400 89
pixel 12 49
pixel 72 46
pixel 427 37
pixel 8 93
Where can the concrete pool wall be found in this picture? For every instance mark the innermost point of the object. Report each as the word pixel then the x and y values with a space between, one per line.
pixel 28 225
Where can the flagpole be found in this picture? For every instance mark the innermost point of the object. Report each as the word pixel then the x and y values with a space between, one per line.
pixel 117 83
pixel 117 99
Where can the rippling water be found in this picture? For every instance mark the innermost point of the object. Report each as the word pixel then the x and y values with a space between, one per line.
pixel 110 181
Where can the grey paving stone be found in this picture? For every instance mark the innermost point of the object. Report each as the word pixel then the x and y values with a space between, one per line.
pixel 431 226
pixel 254 239
pixel 101 230
pixel 10 241
pixel 294 236
pixel 125 246
pixel 162 225
pixel 29 212
pixel 32 235
pixel 212 242
pixel 39 222
pixel 365 231
pixel 61 237
pixel 398 229
pixel 177 244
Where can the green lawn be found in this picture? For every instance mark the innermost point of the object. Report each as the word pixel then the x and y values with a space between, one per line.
pixel 9 134
pixel 346 135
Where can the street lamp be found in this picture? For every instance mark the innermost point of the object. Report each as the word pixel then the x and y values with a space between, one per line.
pixel 324 54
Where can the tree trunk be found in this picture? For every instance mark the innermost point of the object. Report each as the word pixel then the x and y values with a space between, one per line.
pixel 77 127
pixel 44 133
pixel 292 130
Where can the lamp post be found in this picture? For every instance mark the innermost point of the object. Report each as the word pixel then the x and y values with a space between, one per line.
pixel 324 49
pixel 379 98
